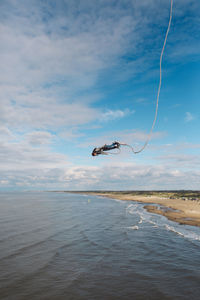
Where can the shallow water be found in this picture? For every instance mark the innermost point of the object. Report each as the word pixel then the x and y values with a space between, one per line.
pixel 70 246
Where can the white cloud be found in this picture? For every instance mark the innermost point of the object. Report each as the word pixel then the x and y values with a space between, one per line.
pixel 136 138
pixel 189 117
pixel 131 176
pixel 23 155
pixel 70 134
pixel 112 176
pixel 48 113
pixel 53 55
pixel 23 165
pixel 66 52
pixel 4 182
pixel 39 137
pixel 142 100
pixel 110 115
pixel 6 134
pixel 181 160
pixel 45 68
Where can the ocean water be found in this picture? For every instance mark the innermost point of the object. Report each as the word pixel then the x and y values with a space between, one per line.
pixel 70 246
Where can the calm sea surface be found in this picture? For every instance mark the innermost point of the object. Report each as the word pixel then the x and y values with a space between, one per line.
pixel 70 246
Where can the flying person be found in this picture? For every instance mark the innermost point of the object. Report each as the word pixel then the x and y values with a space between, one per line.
pixel 101 150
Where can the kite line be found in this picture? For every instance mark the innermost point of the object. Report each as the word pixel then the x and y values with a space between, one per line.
pixel 116 145
pixel 159 87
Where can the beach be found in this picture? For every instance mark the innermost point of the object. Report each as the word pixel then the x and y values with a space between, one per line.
pixel 178 209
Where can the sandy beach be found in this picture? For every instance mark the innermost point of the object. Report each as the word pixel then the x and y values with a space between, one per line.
pixel 183 211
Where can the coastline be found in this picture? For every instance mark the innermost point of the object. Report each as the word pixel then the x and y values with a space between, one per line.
pixel 182 211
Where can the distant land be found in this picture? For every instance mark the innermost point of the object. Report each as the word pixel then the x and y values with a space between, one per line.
pixel 181 206
pixel 188 194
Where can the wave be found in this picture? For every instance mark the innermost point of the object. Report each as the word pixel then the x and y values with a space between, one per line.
pixel 158 221
pixel 184 232
pixel 134 227
pixel 31 246
pixel 22 233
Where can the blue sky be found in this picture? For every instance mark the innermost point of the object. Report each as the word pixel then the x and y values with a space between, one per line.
pixel 79 74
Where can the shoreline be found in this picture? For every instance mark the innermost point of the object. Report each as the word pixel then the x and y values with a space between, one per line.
pixel 184 212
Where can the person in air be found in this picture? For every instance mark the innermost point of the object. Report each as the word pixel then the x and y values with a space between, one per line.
pixel 101 150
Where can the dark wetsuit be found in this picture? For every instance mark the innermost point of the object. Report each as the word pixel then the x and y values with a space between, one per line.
pixel 100 150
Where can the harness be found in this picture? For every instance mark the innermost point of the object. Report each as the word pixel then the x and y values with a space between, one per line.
pixel 101 150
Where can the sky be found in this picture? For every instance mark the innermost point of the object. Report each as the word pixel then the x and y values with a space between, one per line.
pixel 78 74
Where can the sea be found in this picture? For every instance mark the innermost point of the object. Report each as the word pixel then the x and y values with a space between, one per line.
pixel 56 245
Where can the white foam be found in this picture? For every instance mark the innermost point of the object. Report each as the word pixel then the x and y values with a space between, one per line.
pixel 184 232
pixel 158 221
pixel 131 208
pixel 141 220
pixel 153 223
pixel 171 228
pixel 145 217
pixel 134 227
pixel 118 200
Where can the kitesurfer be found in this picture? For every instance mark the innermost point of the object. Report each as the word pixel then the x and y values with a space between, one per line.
pixel 100 150
pixel 117 145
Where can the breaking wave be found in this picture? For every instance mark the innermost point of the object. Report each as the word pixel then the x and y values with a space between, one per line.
pixel 143 217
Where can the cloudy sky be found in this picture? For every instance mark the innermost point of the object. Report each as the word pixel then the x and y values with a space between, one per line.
pixel 78 74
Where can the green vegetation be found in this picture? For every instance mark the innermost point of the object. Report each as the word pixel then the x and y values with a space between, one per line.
pixel 182 194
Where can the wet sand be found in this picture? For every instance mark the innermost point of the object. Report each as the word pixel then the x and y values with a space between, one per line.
pixel 182 211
